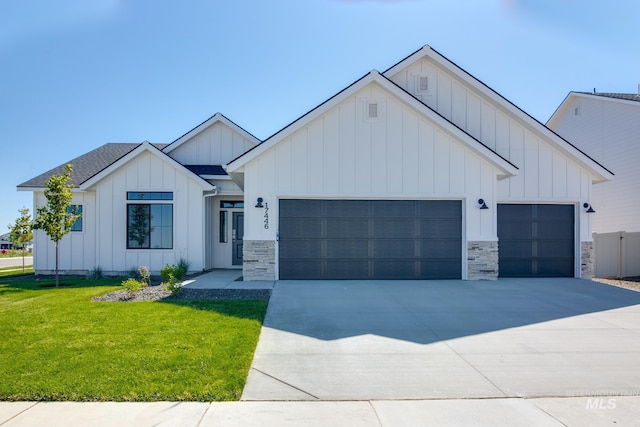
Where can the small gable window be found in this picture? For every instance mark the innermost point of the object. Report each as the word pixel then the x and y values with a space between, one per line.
pixel 423 84
pixel 373 109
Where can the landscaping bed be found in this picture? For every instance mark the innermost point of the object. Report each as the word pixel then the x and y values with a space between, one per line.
pixel 631 283
pixel 158 293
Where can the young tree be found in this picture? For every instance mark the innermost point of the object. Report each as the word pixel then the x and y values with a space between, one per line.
pixel 54 217
pixel 20 232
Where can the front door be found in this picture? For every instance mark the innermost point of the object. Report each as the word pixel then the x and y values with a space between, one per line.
pixel 237 234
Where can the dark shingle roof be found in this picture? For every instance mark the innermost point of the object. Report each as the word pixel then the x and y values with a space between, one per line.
pixel 206 169
pixel 623 96
pixel 87 165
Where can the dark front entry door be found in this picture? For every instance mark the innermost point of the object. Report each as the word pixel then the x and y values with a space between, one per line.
pixel 238 233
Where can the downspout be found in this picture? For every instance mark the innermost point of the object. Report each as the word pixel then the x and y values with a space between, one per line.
pixel 213 193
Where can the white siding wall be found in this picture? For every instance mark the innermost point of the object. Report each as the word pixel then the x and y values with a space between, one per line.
pixel 545 174
pixel 216 145
pixel 147 172
pixel 608 131
pixel 400 155
pixel 77 248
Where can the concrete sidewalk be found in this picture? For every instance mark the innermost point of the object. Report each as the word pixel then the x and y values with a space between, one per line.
pixel 574 411
pixel 225 279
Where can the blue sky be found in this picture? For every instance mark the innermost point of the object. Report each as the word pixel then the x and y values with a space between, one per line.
pixel 75 74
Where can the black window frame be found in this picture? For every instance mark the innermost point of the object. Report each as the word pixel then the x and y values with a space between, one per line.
pixel 149 237
pixel 78 225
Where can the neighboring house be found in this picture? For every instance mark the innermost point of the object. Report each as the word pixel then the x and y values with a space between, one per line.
pixel 419 172
pixel 5 243
pixel 606 126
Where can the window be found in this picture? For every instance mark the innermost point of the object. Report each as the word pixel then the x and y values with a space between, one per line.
pixel 372 112
pixel 423 83
pixel 149 195
pixel 150 226
pixel 223 227
pixel 76 209
pixel 231 204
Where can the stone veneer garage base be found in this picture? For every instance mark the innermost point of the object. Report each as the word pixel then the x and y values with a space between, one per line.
pixel 259 260
pixel 482 260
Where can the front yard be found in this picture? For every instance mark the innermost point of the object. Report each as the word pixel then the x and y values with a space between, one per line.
pixel 58 345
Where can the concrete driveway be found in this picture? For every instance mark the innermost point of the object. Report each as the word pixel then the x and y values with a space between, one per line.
pixel 15 261
pixel 363 340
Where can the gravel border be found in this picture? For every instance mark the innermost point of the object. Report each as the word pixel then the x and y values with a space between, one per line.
pixel 158 293
pixel 631 283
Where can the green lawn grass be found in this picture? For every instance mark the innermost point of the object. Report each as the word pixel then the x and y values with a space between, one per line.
pixel 58 345
pixel 15 271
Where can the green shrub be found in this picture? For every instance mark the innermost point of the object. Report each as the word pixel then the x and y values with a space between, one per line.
pixel 95 273
pixel 133 273
pixel 183 267
pixel 172 276
pixel 144 273
pixel 133 285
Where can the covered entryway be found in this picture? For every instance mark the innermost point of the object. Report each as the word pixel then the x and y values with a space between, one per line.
pixel 370 239
pixel 536 240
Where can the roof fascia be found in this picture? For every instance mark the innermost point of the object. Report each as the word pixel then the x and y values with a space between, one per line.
pixel 145 146
pixel 596 168
pixel 374 76
pixel 216 118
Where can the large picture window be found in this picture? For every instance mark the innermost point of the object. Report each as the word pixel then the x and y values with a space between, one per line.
pixel 150 226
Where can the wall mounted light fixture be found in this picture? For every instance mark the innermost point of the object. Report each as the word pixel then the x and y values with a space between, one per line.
pixel 483 204
pixel 587 205
pixel 259 204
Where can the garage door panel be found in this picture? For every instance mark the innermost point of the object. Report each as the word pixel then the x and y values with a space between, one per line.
pixel 345 228
pixel 290 209
pixel 536 240
pixel 344 208
pixel 438 249
pixel 439 229
pixel 445 209
pixel 300 228
pixel 352 249
pixel 344 269
pixel 296 249
pixel 364 239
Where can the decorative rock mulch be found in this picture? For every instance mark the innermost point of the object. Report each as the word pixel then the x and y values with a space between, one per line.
pixel 631 283
pixel 158 293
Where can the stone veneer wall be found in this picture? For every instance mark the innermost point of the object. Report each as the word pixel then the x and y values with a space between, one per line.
pixel 586 259
pixel 482 260
pixel 259 260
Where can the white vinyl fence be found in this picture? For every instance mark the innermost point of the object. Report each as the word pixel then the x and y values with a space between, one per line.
pixel 617 254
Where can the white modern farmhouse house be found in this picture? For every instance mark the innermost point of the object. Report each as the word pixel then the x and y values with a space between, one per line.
pixel 418 172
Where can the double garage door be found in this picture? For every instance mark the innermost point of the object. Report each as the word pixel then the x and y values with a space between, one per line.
pixel 370 239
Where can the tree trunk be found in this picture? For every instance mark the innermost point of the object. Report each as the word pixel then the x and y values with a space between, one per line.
pixel 23 258
pixel 56 264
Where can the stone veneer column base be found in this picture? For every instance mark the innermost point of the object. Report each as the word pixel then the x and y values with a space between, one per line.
pixel 586 260
pixel 482 260
pixel 259 260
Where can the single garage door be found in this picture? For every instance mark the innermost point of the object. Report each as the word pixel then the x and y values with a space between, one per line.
pixel 370 239
pixel 536 240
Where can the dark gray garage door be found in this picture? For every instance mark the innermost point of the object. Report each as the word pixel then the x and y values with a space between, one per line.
pixel 536 240
pixel 370 239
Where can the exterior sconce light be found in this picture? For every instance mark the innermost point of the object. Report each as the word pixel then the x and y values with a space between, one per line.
pixel 259 204
pixel 484 205
pixel 587 205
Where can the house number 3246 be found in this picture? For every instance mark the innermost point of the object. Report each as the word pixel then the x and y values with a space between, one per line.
pixel 266 216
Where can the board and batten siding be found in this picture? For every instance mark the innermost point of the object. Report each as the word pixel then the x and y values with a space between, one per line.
pixel 546 175
pixel 77 248
pixel 216 145
pixel 609 131
pixel 148 172
pixel 343 155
